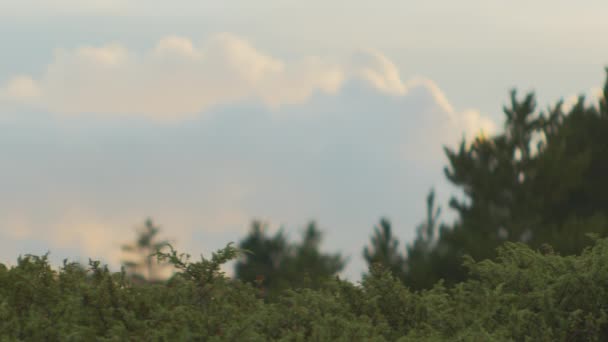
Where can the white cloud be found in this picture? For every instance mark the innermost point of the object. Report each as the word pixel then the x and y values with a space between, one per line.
pixel 180 79
pixel 473 123
pixel 175 79
pixel 94 237
pixel 21 88
pixel 375 68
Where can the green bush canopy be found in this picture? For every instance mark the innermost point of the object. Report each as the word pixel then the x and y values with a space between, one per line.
pixel 522 295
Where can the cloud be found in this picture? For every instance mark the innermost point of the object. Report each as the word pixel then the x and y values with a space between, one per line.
pixel 384 76
pixel 74 228
pixel 94 237
pixel 175 79
pixel 344 158
pixel 21 88
pixel 179 79
pixel 377 69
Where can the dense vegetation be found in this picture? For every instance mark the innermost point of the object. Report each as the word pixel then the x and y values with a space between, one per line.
pixel 523 295
pixel 540 181
pixel 526 259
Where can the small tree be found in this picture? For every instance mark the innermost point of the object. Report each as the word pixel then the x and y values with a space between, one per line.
pixel 385 250
pixel 276 264
pixel 419 253
pixel 145 267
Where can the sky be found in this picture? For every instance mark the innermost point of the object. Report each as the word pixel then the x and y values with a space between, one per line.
pixel 205 115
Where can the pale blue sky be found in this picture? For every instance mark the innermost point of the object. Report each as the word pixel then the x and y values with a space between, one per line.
pixel 206 114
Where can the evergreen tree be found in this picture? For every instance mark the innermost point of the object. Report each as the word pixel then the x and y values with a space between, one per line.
pixel 384 250
pixel 145 267
pixel 541 181
pixel 308 261
pixel 418 253
pixel 264 259
pixel 274 264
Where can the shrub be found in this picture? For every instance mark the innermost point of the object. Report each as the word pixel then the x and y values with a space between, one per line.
pixel 522 295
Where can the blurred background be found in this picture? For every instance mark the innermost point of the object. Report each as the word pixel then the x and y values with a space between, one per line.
pixel 311 133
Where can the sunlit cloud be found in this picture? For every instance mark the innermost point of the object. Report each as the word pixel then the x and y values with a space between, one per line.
pixel 378 70
pixel 175 79
pixel 179 79
pixel 21 88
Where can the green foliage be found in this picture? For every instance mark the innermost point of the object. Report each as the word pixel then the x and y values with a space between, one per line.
pixel 519 263
pixel 384 250
pixel 419 252
pixel 540 181
pixel 522 295
pixel 274 264
pixel 201 272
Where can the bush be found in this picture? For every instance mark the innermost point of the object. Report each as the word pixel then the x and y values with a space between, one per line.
pixel 523 295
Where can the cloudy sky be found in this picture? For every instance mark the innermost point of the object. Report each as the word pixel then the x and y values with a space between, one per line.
pixel 207 114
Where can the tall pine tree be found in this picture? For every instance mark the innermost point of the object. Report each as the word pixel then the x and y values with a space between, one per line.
pixel 541 181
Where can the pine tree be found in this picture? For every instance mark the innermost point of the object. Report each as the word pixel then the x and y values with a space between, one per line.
pixel 264 259
pixel 541 181
pixel 384 250
pixel 309 262
pixel 145 267
pixel 419 253
pixel 274 264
